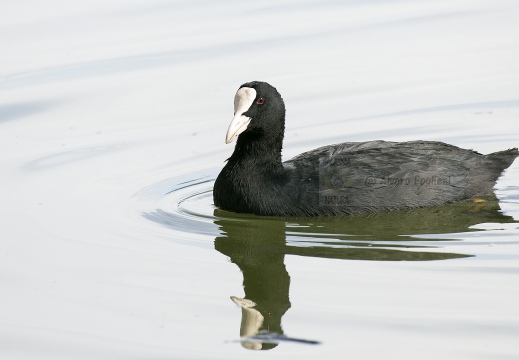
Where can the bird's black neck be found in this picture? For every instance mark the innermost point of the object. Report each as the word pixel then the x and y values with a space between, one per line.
pixel 259 148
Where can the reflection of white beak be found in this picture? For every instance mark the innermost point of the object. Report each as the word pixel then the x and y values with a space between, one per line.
pixel 242 102
pixel 251 321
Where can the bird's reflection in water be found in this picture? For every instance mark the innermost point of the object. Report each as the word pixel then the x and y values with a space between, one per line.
pixel 260 256
pixel 258 246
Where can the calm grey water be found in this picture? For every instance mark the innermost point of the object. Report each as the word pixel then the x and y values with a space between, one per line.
pixel 112 125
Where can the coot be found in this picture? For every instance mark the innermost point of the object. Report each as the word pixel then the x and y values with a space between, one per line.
pixel 346 178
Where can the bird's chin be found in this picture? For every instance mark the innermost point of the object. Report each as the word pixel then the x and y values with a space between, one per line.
pixel 238 125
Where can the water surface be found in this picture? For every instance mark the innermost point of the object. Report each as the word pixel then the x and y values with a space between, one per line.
pixel 112 125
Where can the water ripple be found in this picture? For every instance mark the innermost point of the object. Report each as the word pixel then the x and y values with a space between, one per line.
pixel 185 205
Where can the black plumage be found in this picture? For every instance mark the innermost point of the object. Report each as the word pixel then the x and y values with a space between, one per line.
pixel 346 178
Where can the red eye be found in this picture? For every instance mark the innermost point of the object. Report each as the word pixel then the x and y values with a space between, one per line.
pixel 261 101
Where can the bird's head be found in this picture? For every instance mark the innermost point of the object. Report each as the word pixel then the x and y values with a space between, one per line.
pixel 259 112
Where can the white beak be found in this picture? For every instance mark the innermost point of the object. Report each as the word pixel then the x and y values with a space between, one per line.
pixel 242 102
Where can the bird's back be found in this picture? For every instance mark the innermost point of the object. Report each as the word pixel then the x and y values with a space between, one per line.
pixel 379 176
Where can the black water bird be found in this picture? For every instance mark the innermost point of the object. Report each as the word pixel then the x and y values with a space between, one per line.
pixel 346 178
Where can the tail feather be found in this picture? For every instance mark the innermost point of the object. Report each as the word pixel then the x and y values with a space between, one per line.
pixel 484 175
pixel 499 161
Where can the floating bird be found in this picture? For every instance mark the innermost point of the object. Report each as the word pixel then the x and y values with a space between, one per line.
pixel 346 178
